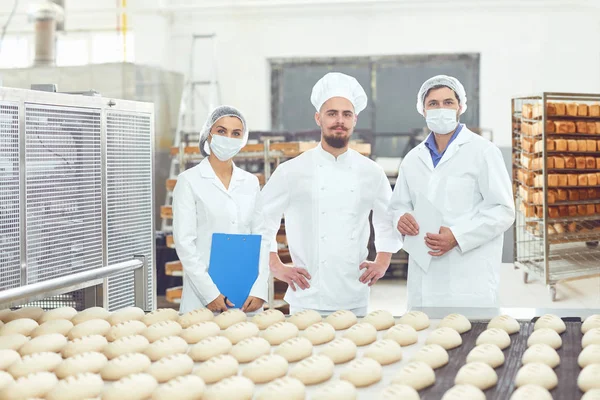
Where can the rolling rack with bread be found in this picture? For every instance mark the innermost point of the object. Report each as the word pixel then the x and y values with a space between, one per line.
pixel 556 172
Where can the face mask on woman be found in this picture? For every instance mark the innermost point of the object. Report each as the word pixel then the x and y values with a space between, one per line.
pixel 225 148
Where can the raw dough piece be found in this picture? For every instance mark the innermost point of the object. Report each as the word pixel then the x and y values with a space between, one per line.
pixel 362 372
pixel 458 322
pixel 195 317
pixel 397 391
pixel 171 367
pixel 217 368
pixel 61 326
pixel 295 349
pixel 341 320
pixel 340 351
pixel 91 362
pixel 13 342
pixel 160 315
pixel 39 362
pixel 550 321
pixel 313 370
pixel 591 337
pixel 126 345
pixel 545 336
pixel 385 352
pixel 404 335
pixel 80 386
pixel 88 328
pixel 31 386
pixel 132 387
pixel 506 323
pixel 266 368
pixel 240 331
pixel 589 378
pixel 537 373
pixel 126 328
pixel 478 374
pixel 83 345
pixel 61 313
pixel 23 326
pixel 89 314
pixel 487 353
pixel 417 319
pixel 362 334
pixel 464 392
pixel 336 390
pixel 199 331
pixel 280 332
pixel 166 347
pixel 5 315
pixel 190 387
pixel 210 347
pixel 593 394
pixel 234 388
pixel 250 349
pixel 53 343
pixel 306 318
pixel 268 318
pixel 589 355
pixel 380 319
pixel 541 353
pixel 446 337
pixel 125 315
pixel 531 392
pixel 5 379
pixel 495 336
pixel 7 358
pixel 161 329
pixel 230 317
pixel 319 333
pixel 415 374
pixel 593 321
pixel 283 388
pixel 433 355
pixel 127 364
pixel 34 313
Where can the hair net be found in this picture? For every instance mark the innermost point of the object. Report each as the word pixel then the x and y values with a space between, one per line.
pixel 336 84
pixel 442 80
pixel 213 117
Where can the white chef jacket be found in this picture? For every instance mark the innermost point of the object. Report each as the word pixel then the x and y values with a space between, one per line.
pixel 326 204
pixel 202 206
pixel 472 189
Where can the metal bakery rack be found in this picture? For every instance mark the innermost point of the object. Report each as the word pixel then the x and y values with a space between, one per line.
pixel 556 176
pixel 76 203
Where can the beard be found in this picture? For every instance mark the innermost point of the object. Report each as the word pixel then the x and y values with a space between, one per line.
pixel 335 139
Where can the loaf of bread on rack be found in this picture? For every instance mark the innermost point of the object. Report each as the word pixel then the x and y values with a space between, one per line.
pixel 582 180
pixel 559 162
pixel 536 112
pixel 591 128
pixel 550 127
pixel 527 194
pixel 525 177
pixel 593 193
pixel 552 212
pixel 582 145
pixel 563 180
pixel 590 145
pixel 563 211
pixel 527 144
pixel 572 145
pixel 573 195
pixel 562 194
pixel 594 110
pixel 581 127
pixel 581 210
pixel 571 109
pixel 526 161
pixel 538 147
pixel 528 211
pixel 572 211
pixel 527 110
pixel 551 230
pixel 558 227
pixel 570 162
pixel 560 145
pixel 565 127
pixel 592 179
pixel 538 197
pixel 561 109
pixel 590 163
pixel 583 194
pixel 580 163
pixel 590 209
pixel 572 180
pixel 550 109
pixel 582 110
pixel 572 227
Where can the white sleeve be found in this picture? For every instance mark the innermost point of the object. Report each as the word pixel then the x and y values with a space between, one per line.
pixel 275 199
pixel 260 288
pixel 386 239
pixel 401 202
pixel 185 235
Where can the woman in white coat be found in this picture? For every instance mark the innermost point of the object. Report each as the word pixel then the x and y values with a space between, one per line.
pixel 465 177
pixel 215 196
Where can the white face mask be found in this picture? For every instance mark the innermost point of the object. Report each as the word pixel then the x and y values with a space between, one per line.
pixel 441 120
pixel 225 148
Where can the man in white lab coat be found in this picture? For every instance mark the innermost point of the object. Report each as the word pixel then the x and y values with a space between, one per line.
pixel 464 176
pixel 326 195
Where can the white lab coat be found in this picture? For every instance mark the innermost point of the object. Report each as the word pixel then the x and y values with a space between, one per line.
pixel 202 206
pixel 326 204
pixel 472 189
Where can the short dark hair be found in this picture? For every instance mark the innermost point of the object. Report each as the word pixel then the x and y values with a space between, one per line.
pixel 439 87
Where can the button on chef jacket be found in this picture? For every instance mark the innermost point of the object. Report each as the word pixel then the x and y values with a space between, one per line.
pixel 202 206
pixel 326 204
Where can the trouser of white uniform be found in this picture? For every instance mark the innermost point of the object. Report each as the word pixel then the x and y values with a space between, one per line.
pixel 359 312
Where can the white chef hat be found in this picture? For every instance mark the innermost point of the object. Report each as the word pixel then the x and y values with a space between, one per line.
pixel 336 84
pixel 442 80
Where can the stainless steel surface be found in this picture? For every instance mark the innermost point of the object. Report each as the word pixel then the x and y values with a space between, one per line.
pixel 40 290
pixel 476 313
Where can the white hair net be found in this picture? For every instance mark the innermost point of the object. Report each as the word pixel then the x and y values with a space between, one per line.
pixel 442 80
pixel 213 117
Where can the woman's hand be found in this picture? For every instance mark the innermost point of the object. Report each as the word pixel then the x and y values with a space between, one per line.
pixel 219 304
pixel 252 304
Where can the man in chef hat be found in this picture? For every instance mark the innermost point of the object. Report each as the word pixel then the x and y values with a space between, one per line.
pixel 326 195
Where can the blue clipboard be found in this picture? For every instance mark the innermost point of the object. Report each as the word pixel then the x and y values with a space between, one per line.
pixel 233 265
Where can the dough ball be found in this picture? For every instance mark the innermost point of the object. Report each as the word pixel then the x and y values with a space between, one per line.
pixel 380 319
pixel 506 323
pixel 415 374
pixel 313 370
pixel 125 315
pixel 545 336
pixel 22 326
pixel 34 385
pixel 477 374
pixel 362 334
pixel 61 326
pixel 589 355
pixel 217 368
pixel 531 392
pixel 541 353
pixel 210 347
pixel 240 331
pixel 458 322
pixel 319 333
pixel 189 387
pixel 81 386
pixel 283 388
pixel 304 319
pixel 195 317
pixel 7 358
pixel 336 390
pixel 268 318
pixel 593 394
pixel 536 373
pixel 250 349
pixel 127 364
pixel 341 320
pixel 589 378
pixel 446 337
pixel 279 332
pixel 85 344
pixel 199 331
pixel 171 367
pixel 126 345
pixel 399 392
pixel 404 335
pixel 235 387
pixel 13 341
pixel 160 315
pixel 126 328
pixel 91 362
pixel 230 317
pixel 137 386
pixel 591 337
pixel 39 362
pixel 385 352
pixel 88 328
pixel 487 353
pixel 495 336
pixel 464 392
pixel 61 313
pixel 433 355
pixel 417 319
pixel 266 368
pixel 550 321
pixel 89 314
pixel 34 313
pixel 53 342
pixel 295 349
pixel 591 322
pixel 161 330
pixel 340 351
pixel 362 372
pixel 165 347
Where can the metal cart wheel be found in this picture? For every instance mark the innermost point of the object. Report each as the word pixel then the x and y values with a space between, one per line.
pixel 525 277
pixel 552 290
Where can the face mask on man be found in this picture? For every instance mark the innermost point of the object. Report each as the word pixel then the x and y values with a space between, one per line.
pixel 441 120
pixel 225 148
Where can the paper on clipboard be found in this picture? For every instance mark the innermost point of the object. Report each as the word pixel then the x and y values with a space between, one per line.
pixel 429 219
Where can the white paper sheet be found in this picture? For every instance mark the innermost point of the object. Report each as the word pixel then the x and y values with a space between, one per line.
pixel 429 219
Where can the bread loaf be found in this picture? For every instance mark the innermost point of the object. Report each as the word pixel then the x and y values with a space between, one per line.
pixel 563 180
pixel 594 110
pixel 528 146
pixel 560 145
pixel 581 210
pixel 570 162
pixel 563 211
pixel 572 145
pixel 572 180
pixel 552 196
pixel 571 109
pixel 598 163
pixel 590 209
pixel 593 193
pixel 581 127
pixel 526 161
pixel 559 228
pixel 561 109
pixel 552 212
pixel 582 145
pixel 583 194
pixel 590 162
pixel 527 110
pixel 551 230
pixel 572 227
pixel 561 194
pixel 550 127
pixel 550 109
pixel 572 211
pixel 590 145
pixel 527 194
pixel 582 180
pixel 539 145
pixel 580 162
pixel 592 180
pixel 582 110
pixel 537 110
pixel 552 180
pixel 573 195
pixel 525 177
pixel 559 162
pixel 528 211
pixel 591 128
